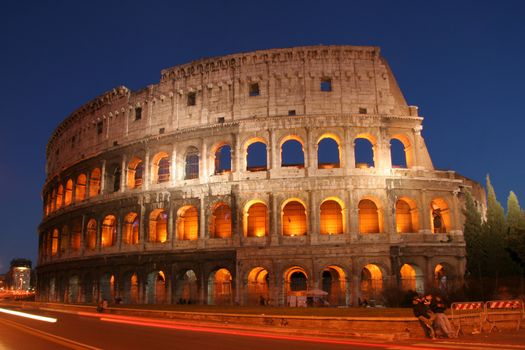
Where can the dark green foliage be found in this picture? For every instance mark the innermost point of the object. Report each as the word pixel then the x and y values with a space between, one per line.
pixel 516 229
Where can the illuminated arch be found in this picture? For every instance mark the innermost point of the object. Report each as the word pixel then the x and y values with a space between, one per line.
pixel 258 286
pixel 107 287
pixel 370 220
pixel 406 215
pixel 160 167
pixel 109 231
pixel 94 182
pixel 404 157
pixel 131 228
pixel 135 173
pixel 188 223
pixel 156 288
pixel 80 188
pixel 329 151
pixel 293 218
pixel 130 288
pixel 292 151
pixel 91 233
pixel 255 219
pixel 186 287
pixel 412 278
pixel 221 221
pixel 60 196
pixel 439 216
pixel 68 196
pixel 76 234
pixel 371 282
pixel 333 281
pixel 295 284
pixel 64 238
pixel 158 226
pixel 220 287
pixel 54 242
pixel 332 218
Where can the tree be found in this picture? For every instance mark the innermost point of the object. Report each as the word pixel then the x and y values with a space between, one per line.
pixel 472 231
pixel 516 229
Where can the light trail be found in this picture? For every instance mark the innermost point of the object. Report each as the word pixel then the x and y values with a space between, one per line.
pixel 138 322
pixel 26 315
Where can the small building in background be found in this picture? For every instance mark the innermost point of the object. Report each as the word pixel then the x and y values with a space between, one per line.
pixel 19 276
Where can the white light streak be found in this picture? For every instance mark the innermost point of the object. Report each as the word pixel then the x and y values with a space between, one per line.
pixel 34 317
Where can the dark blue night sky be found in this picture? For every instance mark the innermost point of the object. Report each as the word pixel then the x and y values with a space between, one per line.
pixel 461 62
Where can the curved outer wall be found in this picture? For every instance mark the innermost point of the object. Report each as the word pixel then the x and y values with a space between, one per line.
pixel 270 97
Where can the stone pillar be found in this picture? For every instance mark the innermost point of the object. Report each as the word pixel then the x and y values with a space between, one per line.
pixel 203 169
pixel 171 230
pixel 99 235
pixel 142 224
pixel 147 171
pixel 313 217
pixel 173 166
pixel 103 177
pixel 424 225
pixel 123 173
pixel 119 232
pixel 274 214
pixel 202 219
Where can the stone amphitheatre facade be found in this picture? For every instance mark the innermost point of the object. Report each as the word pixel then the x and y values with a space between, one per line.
pixel 267 176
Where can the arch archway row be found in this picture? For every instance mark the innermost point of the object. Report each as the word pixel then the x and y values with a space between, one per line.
pixel 291 285
pixel 145 169
pixel 115 231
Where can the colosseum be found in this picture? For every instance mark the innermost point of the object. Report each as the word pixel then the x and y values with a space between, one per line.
pixel 278 176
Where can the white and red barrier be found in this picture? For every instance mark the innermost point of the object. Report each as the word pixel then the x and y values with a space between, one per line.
pixel 499 311
pixel 468 315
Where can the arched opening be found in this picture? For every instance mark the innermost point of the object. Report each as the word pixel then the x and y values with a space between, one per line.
pixel 412 278
pixel 156 288
pixel 192 164
pixel 47 204
pixel 107 287
pixel 158 226
pixel 160 168
pixel 68 197
pixel 258 286
pixel 333 282
pixel 220 288
pixel 292 154
pixel 186 291
pixel 60 196
pixel 223 159
pixel 221 221
pixel 80 188
pixel 256 158
pixel 294 219
pixel 188 223
pixel 54 242
pixel 371 283
pixel 368 217
pixel 364 152
pixel 406 216
pixel 64 239
pixel 255 219
pixel 91 233
pixel 94 183
pixel 296 285
pixel 439 216
pixel 73 289
pixel 109 231
pixel 328 155
pixel 331 218
pixel 397 153
pixel 444 278
pixel 401 151
pixel 131 289
pixel 76 235
pixel 135 173
pixel 131 229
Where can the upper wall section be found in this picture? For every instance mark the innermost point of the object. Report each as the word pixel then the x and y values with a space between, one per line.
pixel 301 81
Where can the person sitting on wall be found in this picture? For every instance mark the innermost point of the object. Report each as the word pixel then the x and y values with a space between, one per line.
pixel 421 309
pixel 441 323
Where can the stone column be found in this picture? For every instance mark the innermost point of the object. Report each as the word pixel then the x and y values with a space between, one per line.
pixel 147 171
pixel 103 177
pixel 123 174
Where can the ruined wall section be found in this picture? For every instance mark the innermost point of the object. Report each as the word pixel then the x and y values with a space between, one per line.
pixel 288 82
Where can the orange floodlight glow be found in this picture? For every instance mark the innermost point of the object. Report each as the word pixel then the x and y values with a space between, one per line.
pixel 26 315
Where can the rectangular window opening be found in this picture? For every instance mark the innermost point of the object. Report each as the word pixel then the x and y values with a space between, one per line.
pixel 138 113
pixel 162 130
pixel 100 127
pixel 220 120
pixel 362 110
pixel 326 84
pixel 192 98
pixel 291 112
pixel 254 89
